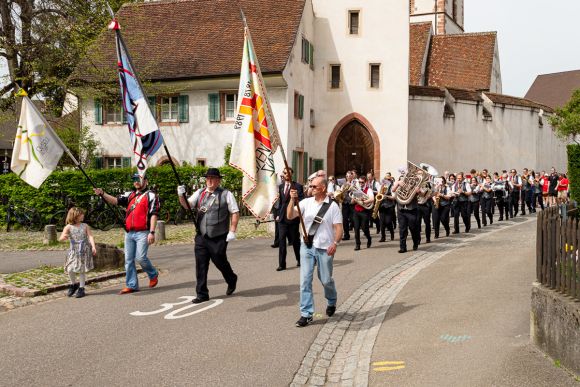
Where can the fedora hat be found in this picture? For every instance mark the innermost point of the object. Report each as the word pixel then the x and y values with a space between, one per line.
pixel 213 172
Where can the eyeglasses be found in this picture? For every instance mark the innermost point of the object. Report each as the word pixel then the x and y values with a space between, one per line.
pixel 312 186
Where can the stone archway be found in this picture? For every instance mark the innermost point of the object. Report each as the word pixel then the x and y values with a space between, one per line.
pixel 165 160
pixel 353 144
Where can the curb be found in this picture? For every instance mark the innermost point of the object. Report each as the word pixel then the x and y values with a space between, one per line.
pixel 26 292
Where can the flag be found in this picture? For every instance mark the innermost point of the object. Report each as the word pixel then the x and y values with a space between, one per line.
pixel 145 136
pixel 37 148
pixel 255 137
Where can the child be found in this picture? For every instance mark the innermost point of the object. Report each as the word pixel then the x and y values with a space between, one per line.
pixel 80 255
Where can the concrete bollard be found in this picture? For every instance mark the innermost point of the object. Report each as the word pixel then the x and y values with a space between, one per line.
pixel 160 233
pixel 49 234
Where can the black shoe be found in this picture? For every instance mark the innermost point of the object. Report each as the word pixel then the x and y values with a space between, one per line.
pixel 80 293
pixel 428 241
pixel 446 233
pixel 382 239
pixel 297 263
pixel 491 222
pixel 357 248
pixel 72 289
pixel 330 310
pixel 280 268
pixel 303 321
pixel 369 242
pixel 199 300
pixel 415 247
pixel 232 288
pixel 378 230
pixel 275 246
pixel 401 251
pixel 346 238
pixel 436 236
pixel 392 235
pixel 454 232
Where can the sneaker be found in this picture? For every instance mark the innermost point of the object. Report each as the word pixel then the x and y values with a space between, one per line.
pixel 80 293
pixel 72 288
pixel 303 321
pixel 153 281
pixel 330 310
pixel 127 291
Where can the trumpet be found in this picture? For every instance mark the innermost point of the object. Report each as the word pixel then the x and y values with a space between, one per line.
pixel 378 200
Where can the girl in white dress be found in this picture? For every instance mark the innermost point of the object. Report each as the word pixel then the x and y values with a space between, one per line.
pixel 79 258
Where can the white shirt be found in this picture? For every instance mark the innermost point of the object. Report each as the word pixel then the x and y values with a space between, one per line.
pixel 232 205
pixel 324 236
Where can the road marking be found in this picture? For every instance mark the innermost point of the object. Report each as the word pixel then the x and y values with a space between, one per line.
pixel 454 339
pixel 174 315
pixel 391 365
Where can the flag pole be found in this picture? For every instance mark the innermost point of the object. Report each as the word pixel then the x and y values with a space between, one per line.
pixel 271 119
pixel 120 37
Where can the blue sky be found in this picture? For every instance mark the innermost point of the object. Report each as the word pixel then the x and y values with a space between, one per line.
pixel 535 37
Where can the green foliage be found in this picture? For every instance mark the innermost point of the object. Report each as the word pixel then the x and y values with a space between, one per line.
pixel 227 153
pixel 574 171
pixel 48 198
pixel 566 120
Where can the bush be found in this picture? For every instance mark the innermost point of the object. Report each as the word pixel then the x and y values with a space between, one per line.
pixel 574 171
pixel 48 198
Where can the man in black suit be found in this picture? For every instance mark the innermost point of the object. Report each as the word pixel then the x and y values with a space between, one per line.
pixel 288 229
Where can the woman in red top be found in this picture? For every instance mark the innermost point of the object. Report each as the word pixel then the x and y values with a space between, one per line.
pixel 545 183
pixel 562 188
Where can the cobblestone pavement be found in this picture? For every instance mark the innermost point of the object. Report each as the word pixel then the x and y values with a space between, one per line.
pixel 341 353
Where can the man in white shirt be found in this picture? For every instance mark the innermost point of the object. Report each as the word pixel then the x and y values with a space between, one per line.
pixel 324 234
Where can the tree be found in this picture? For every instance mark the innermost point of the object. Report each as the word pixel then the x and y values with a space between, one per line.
pixel 42 41
pixel 566 120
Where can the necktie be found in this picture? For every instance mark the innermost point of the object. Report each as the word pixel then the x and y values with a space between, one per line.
pixel 286 189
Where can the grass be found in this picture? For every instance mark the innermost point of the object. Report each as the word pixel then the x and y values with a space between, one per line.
pixel 27 240
pixel 43 277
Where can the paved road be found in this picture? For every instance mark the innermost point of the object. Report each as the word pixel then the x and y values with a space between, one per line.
pixel 250 339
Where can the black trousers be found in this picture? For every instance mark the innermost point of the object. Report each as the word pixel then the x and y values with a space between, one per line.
pixel 290 232
pixel 347 213
pixel 461 208
pixel 475 211
pixel 441 216
pixel 386 217
pixel 409 221
pixel 504 206
pixel 486 210
pixel 538 199
pixel 276 233
pixel 361 220
pixel 425 217
pixel 213 249
pixel 514 203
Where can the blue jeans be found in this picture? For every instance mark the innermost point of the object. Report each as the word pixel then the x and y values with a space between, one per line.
pixel 136 247
pixel 324 267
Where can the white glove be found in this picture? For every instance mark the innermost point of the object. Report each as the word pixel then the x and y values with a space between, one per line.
pixel 231 236
pixel 180 189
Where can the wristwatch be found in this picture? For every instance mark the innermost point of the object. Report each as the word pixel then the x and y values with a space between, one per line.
pixel 152 232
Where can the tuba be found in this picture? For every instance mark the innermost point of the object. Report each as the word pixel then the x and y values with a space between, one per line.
pixel 358 195
pixel 424 197
pixel 415 179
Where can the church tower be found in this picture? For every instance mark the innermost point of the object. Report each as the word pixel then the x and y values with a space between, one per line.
pixel 445 15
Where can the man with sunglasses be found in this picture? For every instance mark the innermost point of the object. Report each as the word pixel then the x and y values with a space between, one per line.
pixel 323 221
pixel 140 221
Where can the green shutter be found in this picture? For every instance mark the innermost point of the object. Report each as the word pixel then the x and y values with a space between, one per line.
pixel 318 164
pixel 153 105
pixel 311 52
pixel 98 163
pixel 214 107
pixel 183 108
pixel 126 162
pixel 301 106
pixel 295 164
pixel 305 164
pixel 98 112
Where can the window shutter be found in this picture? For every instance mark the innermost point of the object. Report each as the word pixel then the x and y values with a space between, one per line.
pixel 311 56
pixel 295 164
pixel 214 107
pixel 98 112
pixel 126 162
pixel 183 108
pixel 305 165
pixel 301 106
pixel 98 163
pixel 153 105
pixel 318 164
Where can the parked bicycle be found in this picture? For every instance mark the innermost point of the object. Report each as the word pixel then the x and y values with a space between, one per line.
pixel 27 218
pixel 97 214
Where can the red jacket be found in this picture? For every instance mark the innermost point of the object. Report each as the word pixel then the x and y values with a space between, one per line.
pixel 141 206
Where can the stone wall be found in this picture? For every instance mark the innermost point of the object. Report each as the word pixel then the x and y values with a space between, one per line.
pixel 555 326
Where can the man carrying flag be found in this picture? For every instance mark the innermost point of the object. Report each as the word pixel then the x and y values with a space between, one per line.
pixel 37 148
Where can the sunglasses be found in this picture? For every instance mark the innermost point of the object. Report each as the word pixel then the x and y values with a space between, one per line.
pixel 312 186
pixel 136 179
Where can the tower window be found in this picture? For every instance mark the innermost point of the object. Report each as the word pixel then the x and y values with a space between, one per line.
pixel 353 22
pixel 375 76
pixel 334 76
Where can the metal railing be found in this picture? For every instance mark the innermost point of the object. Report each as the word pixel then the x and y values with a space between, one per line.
pixel 557 253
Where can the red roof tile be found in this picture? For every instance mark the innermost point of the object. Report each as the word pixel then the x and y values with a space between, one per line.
pixel 181 39
pixel 500 99
pixel 554 89
pixel 419 38
pixel 463 61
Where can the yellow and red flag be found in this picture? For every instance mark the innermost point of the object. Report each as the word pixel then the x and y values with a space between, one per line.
pixel 255 137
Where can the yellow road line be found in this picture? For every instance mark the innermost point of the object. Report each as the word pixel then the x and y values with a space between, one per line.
pixel 382 363
pixel 389 368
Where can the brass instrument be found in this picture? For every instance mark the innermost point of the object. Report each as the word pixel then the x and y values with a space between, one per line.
pixel 339 194
pixel 378 200
pixel 359 197
pixel 415 179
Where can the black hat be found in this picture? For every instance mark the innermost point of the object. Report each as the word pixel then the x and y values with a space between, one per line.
pixel 136 176
pixel 213 172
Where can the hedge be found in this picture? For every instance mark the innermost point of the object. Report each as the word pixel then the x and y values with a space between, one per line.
pixel 574 171
pixel 48 199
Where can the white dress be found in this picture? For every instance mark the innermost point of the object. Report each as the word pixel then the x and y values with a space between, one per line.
pixel 80 257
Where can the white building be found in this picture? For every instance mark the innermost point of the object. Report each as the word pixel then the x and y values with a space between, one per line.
pixel 338 74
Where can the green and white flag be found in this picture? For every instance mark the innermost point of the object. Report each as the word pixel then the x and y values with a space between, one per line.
pixel 37 148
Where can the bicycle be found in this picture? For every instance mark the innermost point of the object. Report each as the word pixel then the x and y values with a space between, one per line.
pixel 97 216
pixel 28 218
pixel 164 213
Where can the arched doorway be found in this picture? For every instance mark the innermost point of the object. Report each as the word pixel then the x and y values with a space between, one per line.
pixel 353 145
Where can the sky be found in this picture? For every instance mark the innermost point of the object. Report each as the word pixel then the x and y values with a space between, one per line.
pixel 535 37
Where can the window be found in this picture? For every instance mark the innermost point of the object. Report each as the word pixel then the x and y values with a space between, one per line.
pixel 213 103
pixel 200 162
pixel 312 120
pixel 375 75
pixel 334 76
pixel 230 104
pixel 169 109
pixel 298 105
pixel 307 53
pixel 117 162
pixel 353 22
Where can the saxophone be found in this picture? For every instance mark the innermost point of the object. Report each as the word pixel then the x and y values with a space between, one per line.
pixel 378 200
pixel 437 199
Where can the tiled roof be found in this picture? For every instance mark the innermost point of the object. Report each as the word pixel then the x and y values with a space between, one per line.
pixel 500 99
pixel 184 39
pixel 419 37
pixel 554 89
pixel 463 61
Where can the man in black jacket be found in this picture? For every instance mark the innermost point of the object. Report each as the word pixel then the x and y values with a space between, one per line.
pixel 288 229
